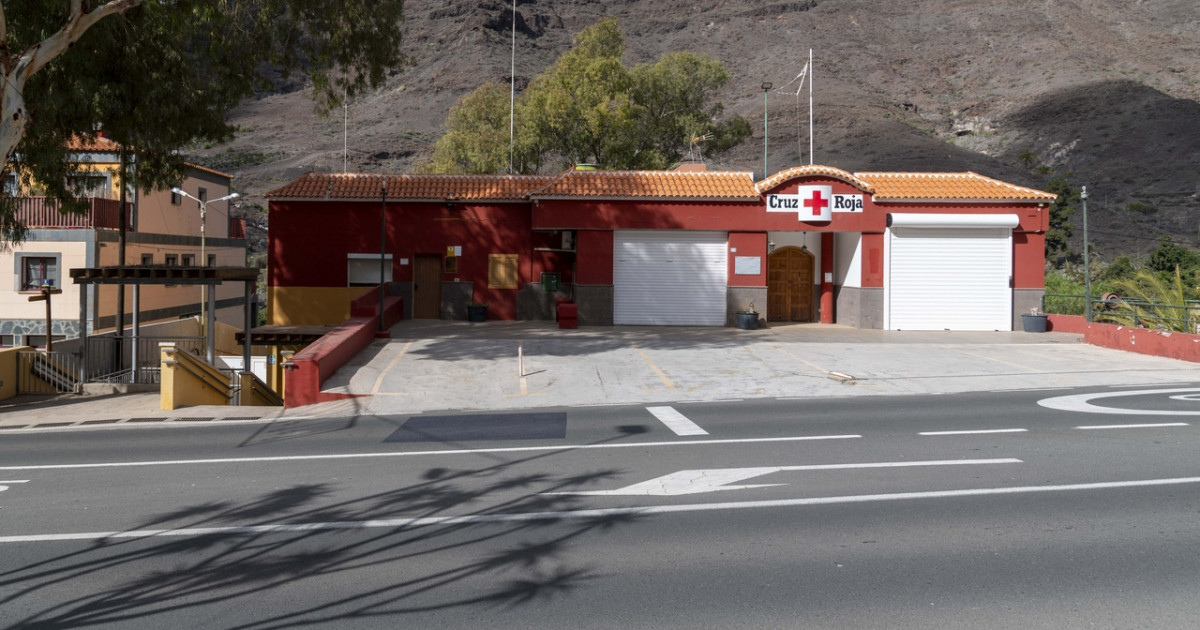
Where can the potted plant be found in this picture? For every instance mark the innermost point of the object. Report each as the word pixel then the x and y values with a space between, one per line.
pixel 1034 321
pixel 476 311
pixel 747 318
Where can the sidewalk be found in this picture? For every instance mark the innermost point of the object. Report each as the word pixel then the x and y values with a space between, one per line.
pixel 440 366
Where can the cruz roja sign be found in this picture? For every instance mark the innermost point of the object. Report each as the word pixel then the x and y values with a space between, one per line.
pixel 815 203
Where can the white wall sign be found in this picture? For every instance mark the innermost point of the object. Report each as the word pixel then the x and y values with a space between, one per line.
pixel 812 203
pixel 747 265
pixel 847 203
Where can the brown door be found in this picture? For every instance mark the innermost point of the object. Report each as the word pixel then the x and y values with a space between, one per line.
pixel 790 285
pixel 427 286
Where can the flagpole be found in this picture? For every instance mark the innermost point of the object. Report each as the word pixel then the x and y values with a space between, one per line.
pixel 810 107
pixel 512 88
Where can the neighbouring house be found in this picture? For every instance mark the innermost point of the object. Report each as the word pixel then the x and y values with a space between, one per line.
pixel 164 229
pixel 898 251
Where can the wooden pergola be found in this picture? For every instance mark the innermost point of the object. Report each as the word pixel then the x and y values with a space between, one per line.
pixel 138 275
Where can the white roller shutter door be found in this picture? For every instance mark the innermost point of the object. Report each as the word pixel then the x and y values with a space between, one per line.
pixel 669 278
pixel 946 276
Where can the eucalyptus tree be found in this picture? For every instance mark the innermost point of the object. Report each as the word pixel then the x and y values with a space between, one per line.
pixel 156 75
pixel 589 108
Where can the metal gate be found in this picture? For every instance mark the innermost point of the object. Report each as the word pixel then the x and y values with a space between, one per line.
pixel 40 372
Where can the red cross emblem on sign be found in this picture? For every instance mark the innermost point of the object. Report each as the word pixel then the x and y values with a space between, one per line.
pixel 817 203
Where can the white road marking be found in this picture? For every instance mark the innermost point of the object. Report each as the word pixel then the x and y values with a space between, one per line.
pixel 1133 426
pixel 713 480
pixel 1082 403
pixel 676 421
pixel 397 523
pixel 4 484
pixel 976 432
pixel 511 449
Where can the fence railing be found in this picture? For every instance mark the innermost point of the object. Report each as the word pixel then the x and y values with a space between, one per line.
pixel 41 372
pixel 44 212
pixel 1139 313
pixel 133 360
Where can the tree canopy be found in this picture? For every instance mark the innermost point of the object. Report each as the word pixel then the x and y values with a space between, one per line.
pixel 589 108
pixel 156 75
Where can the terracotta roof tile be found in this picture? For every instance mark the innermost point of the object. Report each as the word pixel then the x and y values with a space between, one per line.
pixel 948 187
pixel 210 171
pixel 651 185
pixel 432 187
pixel 809 171
pixel 573 184
pixel 97 143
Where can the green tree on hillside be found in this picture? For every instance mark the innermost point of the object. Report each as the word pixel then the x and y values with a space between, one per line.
pixel 1060 211
pixel 159 74
pixel 589 108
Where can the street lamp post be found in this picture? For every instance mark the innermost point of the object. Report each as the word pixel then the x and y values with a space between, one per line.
pixel 766 87
pixel 1087 267
pixel 203 203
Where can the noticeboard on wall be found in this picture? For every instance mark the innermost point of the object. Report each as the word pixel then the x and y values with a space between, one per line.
pixel 747 265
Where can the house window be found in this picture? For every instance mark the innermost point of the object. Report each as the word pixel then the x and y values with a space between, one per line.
pixel 176 199
pixel 11 185
pixel 362 270
pixel 147 259
pixel 35 271
pixel 90 185
pixel 8 341
pixel 189 260
pixel 502 271
pixel 172 260
pixel 212 260
pixel 39 341
pixel 203 194
pixel 451 264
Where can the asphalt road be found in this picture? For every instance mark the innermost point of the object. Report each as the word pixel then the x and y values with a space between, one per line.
pixel 984 510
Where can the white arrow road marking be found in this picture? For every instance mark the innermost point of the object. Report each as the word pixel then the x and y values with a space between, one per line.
pixel 676 421
pixel 4 484
pixel 1081 403
pixel 713 480
pixel 526 517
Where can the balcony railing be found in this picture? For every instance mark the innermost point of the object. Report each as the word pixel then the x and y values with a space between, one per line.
pixel 43 212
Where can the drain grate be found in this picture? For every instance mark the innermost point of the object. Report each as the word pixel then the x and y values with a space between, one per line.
pixel 112 421
pixel 147 419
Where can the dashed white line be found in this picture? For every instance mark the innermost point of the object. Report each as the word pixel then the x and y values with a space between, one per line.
pixel 1133 426
pixel 676 421
pixel 512 449
pixel 393 523
pixel 975 432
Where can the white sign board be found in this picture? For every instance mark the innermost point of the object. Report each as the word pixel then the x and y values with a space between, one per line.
pixel 747 265
pixel 812 203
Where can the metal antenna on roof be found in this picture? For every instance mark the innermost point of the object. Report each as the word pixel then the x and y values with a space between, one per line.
pixel 805 74
pixel 345 130
pixel 512 88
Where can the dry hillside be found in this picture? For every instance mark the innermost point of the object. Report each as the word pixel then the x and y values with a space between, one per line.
pixel 1107 91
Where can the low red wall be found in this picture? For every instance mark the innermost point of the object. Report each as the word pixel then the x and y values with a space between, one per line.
pixel 313 365
pixel 367 305
pixel 1161 343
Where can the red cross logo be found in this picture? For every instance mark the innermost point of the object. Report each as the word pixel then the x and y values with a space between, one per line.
pixel 816 204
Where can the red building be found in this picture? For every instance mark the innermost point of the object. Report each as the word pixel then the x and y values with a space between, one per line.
pixel 927 251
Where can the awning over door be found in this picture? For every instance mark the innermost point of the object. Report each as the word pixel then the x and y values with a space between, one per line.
pixel 669 278
pixel 948 272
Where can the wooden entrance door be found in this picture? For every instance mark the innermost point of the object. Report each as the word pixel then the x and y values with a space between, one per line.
pixel 790 285
pixel 427 286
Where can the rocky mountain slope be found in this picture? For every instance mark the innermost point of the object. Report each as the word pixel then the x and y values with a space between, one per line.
pixel 1106 92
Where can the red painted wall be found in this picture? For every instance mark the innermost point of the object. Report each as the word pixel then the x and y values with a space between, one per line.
pixel 872 261
pixel 1029 260
pixel 748 244
pixel 594 257
pixel 309 241
pixel 1141 340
